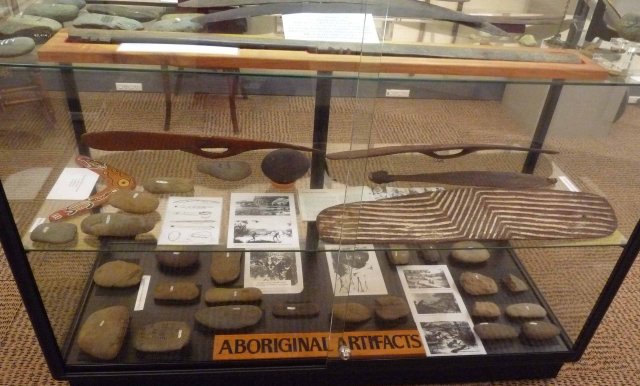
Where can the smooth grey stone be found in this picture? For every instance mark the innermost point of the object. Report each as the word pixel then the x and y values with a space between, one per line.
pixel 31 20
pixel 469 252
pixel 55 233
pixel 39 29
pixel 494 331
pixel 398 254
pixel 232 295
pixel 226 170
pixel 485 310
pixel 58 12
pixel 162 337
pixel 180 16
pixel 139 13
pixel 295 310
pixel 118 274
pixel 181 291
pixel 103 333
pixel 351 312
pixel 391 308
pixel 17 46
pixel 229 317
pixel 225 266
pixel 628 26
pixel 116 224
pixel 175 25
pixel 161 185
pixel 540 330
pixel 526 311
pixel 514 283
pixel 78 3
pixel 177 259
pixel 285 166
pixel 134 202
pixel 94 20
pixel 478 284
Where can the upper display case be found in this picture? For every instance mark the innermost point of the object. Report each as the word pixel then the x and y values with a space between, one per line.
pixel 365 192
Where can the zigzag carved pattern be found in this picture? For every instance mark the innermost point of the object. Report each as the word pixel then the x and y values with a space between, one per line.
pixel 470 213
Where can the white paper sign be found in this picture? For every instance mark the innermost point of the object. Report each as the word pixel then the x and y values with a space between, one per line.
pixel 191 221
pixel 313 201
pixel 177 48
pixel 330 27
pixel 73 184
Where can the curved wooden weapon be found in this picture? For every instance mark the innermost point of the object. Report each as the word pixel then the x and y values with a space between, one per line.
pixel 434 151
pixel 468 178
pixel 112 177
pixel 469 214
pixel 194 144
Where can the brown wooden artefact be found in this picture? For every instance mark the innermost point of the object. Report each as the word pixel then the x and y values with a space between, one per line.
pixel 195 144
pixel 469 214
pixel 468 178
pixel 434 151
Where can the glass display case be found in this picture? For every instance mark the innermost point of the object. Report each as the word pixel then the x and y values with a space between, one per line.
pixel 423 192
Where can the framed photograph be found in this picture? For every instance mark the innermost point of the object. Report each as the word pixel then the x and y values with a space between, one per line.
pixel 355 273
pixel 436 303
pixel 426 277
pixel 274 272
pixel 451 338
pixel 262 205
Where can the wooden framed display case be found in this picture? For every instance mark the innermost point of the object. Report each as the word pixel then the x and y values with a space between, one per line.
pixel 182 234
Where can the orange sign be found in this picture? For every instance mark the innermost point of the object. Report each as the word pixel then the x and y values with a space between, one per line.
pixel 317 345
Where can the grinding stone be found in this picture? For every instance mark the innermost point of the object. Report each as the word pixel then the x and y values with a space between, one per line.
pixel 514 283
pixel 526 311
pixel 485 310
pixel 478 284
pixel 493 331
pixel 55 233
pixel 540 330
pixel 470 252
pixel 58 12
pixel 229 317
pixel 226 170
pixel 162 337
pixel 182 259
pixel 232 295
pixel 17 46
pixel 180 292
pixel 98 21
pixel 102 334
pixel 118 274
pixel 116 224
pixel 351 312
pixel 285 166
pixel 139 13
pixel 296 310
pixel 161 185
pixel 134 202
pixel 225 266
pixel 398 254
pixel 390 308
pixel 175 25
pixel 39 29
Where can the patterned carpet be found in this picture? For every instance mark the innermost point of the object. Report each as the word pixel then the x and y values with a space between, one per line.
pixel 570 278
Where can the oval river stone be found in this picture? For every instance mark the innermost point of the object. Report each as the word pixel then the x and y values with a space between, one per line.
pixel 55 233
pixel 390 308
pixel 57 12
pixel 398 254
pixel 162 337
pixel 232 295
pixel 485 310
pixel 525 311
pixel 116 224
pixel 225 266
pixel 514 283
pixel 134 202
pixel 351 312
pixel 226 170
pixel 478 284
pixel 540 330
pixel 285 166
pixel 182 259
pixel 17 46
pixel 118 274
pixel 161 185
pixel 102 334
pixel 491 331
pixel 181 291
pixel 229 317
pixel 470 252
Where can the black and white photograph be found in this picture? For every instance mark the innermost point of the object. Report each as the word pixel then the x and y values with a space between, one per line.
pixel 435 303
pixel 261 205
pixel 262 220
pixel 451 338
pixel 428 277
pixel 355 273
pixel 274 271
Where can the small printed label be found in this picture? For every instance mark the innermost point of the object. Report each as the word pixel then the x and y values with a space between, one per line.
pixel 178 49
pixel 568 183
pixel 142 293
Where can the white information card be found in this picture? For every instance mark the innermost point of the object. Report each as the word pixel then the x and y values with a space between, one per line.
pixel 330 27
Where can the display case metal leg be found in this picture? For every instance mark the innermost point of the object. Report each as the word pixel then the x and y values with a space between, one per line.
pixel 544 122
pixel 166 87
pixel 75 108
